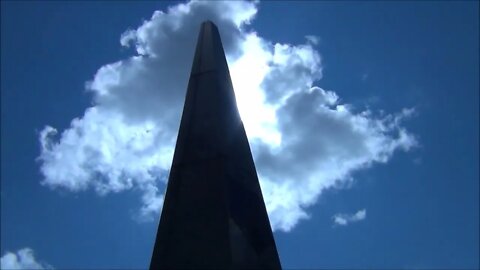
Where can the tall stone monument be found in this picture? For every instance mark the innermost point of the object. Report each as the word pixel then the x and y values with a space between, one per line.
pixel 214 216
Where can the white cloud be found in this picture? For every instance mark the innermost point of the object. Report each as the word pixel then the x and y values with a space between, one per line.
pixel 313 39
pixel 303 138
pixel 345 219
pixel 22 259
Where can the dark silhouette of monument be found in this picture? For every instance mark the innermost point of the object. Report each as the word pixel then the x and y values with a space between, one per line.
pixel 214 216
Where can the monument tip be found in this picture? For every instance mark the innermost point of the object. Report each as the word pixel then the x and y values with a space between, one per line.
pixel 208 22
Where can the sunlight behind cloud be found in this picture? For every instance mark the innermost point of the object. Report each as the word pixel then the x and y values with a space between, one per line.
pixel 247 73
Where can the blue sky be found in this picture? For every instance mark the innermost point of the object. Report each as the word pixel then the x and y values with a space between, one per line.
pixel 414 66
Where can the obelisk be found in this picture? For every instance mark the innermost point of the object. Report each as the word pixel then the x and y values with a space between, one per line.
pixel 214 216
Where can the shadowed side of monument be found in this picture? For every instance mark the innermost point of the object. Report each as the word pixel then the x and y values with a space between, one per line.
pixel 214 215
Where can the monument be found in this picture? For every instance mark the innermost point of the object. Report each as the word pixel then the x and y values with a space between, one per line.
pixel 214 216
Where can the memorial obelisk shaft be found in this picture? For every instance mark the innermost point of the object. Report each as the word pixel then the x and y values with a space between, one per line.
pixel 214 216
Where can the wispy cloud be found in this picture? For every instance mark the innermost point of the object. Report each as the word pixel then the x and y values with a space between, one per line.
pixel 22 259
pixel 315 40
pixel 364 76
pixel 304 140
pixel 345 219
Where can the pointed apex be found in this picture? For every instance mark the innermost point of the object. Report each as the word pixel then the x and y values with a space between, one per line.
pixel 209 54
pixel 208 22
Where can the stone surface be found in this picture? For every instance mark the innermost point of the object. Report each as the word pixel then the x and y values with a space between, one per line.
pixel 214 215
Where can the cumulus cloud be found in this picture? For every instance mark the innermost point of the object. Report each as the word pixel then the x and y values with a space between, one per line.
pixel 304 138
pixel 22 259
pixel 345 219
